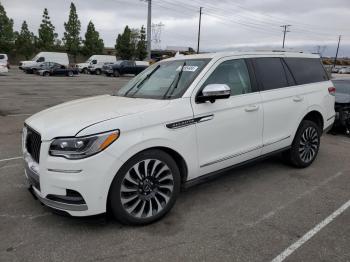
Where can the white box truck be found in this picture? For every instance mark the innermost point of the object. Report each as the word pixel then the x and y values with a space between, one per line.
pixel 94 64
pixel 60 58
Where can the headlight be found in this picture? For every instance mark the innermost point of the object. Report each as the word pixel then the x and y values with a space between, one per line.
pixel 82 147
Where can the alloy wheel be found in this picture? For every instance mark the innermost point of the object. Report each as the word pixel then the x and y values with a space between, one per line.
pixel 309 143
pixel 146 188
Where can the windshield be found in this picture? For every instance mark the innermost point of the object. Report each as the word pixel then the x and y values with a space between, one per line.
pixel 164 80
pixel 35 58
pixel 342 86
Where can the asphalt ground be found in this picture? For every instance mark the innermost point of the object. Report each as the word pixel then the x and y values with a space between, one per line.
pixel 260 212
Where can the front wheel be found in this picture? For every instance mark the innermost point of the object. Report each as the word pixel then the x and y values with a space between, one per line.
pixel 305 145
pixel 145 188
pixel 98 72
pixel 70 73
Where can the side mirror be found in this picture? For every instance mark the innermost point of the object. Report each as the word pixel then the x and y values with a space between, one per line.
pixel 214 91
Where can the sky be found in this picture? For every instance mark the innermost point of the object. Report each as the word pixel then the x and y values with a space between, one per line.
pixel 226 24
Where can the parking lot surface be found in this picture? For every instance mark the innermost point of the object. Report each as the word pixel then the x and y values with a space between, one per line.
pixel 255 213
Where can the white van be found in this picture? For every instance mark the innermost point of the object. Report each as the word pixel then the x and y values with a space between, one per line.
pixel 4 59
pixel 60 58
pixel 95 63
pixel 4 65
pixel 95 60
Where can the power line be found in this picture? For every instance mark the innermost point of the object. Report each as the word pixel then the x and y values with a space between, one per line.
pixel 336 55
pixel 285 30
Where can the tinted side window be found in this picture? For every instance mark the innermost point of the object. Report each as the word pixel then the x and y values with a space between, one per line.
pixel 270 72
pixel 233 73
pixel 2 57
pixel 306 70
pixel 41 59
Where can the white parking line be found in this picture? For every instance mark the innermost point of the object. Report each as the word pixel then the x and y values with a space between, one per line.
pixel 311 233
pixel 12 158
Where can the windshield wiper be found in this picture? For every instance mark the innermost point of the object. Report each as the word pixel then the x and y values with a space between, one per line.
pixel 175 82
pixel 141 82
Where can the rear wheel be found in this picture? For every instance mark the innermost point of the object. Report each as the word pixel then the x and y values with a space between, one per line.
pixel 305 145
pixel 85 71
pixel 46 74
pixel 70 73
pixel 145 188
pixel 98 72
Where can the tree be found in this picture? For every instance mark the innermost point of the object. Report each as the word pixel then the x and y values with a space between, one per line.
pixel 71 37
pixel 25 42
pixel 7 35
pixel 47 35
pixel 125 44
pixel 93 44
pixel 141 49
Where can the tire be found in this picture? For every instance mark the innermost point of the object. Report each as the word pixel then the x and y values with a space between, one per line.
pixel 70 73
pixel 305 146
pixel 116 73
pixel 46 74
pixel 34 71
pixel 85 71
pixel 98 72
pixel 138 199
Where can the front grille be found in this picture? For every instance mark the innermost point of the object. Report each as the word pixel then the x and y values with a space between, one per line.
pixel 33 144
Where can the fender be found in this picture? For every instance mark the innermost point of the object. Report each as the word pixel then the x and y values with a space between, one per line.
pixel 311 108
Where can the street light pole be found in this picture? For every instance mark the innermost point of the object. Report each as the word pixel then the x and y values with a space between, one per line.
pixel 149 30
pixel 199 28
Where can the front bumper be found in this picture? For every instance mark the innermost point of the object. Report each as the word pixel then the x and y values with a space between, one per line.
pixel 90 178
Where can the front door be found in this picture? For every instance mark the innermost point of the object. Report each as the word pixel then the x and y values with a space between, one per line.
pixel 229 131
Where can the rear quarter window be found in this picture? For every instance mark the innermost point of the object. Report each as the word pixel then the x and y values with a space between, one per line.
pixel 306 70
pixel 270 73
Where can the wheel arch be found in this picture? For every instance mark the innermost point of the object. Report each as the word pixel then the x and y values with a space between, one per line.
pixel 312 114
pixel 316 117
pixel 178 158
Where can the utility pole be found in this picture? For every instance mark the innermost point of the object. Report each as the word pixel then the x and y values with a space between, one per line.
pixel 149 29
pixel 336 55
pixel 199 28
pixel 285 31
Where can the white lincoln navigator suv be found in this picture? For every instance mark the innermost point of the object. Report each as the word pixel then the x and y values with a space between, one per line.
pixel 178 122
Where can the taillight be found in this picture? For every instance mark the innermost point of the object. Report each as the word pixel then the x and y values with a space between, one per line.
pixel 331 90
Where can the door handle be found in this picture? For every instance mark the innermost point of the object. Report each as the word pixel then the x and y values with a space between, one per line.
pixel 298 99
pixel 251 108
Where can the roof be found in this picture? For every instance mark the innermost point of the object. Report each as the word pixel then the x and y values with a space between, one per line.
pixel 246 53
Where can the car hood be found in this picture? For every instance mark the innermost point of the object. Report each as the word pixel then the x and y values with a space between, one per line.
pixel 342 98
pixel 28 63
pixel 69 118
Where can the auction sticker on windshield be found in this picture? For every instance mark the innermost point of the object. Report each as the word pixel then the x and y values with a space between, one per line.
pixel 187 68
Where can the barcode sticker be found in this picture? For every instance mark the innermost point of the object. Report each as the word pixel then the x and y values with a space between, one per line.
pixel 187 68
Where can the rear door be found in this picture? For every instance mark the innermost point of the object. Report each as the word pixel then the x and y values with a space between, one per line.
pixel 283 103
